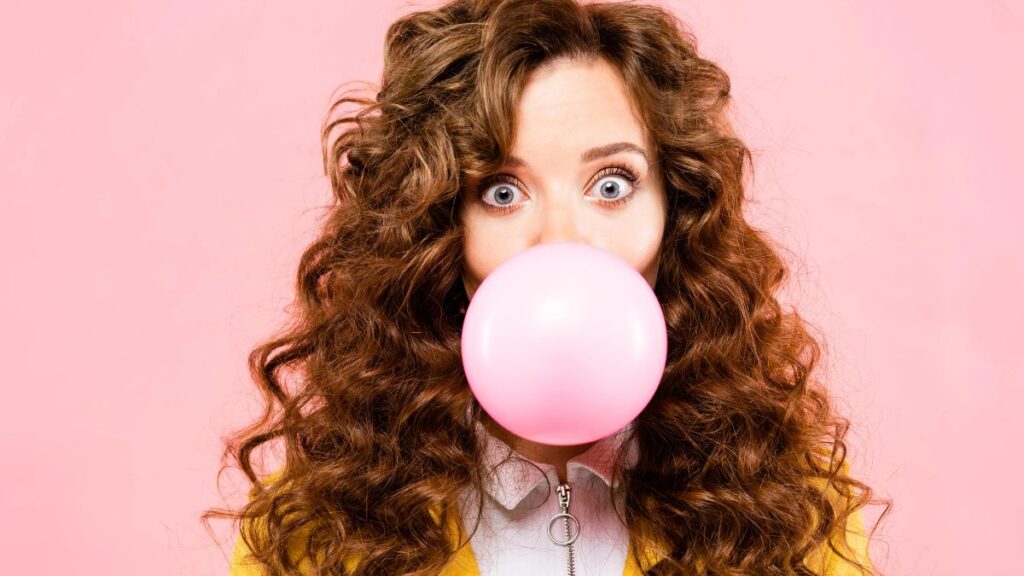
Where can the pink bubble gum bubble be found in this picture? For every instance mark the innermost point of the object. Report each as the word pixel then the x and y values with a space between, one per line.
pixel 564 344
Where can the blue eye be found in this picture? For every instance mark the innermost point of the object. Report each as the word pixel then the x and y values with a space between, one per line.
pixel 612 188
pixel 504 192
pixel 616 185
pixel 613 180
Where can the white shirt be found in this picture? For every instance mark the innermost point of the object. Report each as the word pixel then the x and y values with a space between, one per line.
pixel 512 538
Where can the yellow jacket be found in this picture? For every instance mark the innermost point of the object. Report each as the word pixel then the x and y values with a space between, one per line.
pixel 823 561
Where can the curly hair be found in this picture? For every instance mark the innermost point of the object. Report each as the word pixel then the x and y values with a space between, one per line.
pixel 741 465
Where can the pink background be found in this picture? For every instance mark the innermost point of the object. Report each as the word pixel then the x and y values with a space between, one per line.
pixel 160 174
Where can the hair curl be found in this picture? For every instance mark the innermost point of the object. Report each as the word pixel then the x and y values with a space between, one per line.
pixel 741 466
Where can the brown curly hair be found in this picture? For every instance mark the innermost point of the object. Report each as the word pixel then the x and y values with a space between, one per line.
pixel 741 454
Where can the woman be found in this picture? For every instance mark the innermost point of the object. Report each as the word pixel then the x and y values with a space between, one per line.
pixel 501 125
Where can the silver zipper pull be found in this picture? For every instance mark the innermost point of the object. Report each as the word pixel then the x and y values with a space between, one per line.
pixel 564 496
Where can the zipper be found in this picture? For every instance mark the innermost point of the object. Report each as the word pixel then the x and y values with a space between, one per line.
pixel 564 495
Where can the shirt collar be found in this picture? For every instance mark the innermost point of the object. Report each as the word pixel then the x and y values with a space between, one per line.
pixel 510 477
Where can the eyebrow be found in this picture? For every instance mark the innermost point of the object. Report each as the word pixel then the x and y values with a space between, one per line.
pixel 591 154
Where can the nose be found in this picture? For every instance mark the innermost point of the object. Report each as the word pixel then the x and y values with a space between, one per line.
pixel 560 224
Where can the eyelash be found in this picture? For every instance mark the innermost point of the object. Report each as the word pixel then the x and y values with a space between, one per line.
pixel 614 169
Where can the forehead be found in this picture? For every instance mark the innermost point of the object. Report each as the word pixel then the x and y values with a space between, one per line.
pixel 576 104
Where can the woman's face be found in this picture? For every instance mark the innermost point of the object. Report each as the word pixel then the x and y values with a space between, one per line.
pixel 576 133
